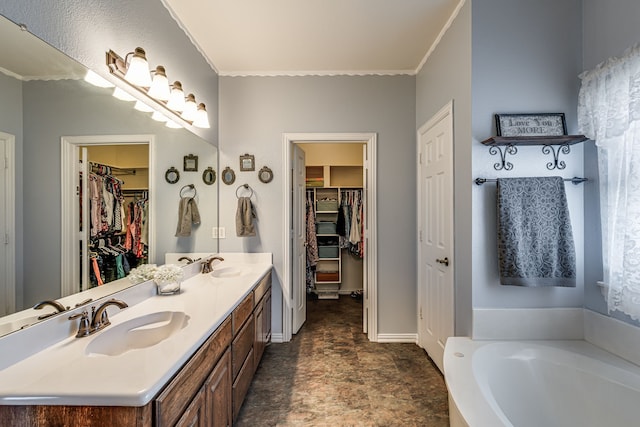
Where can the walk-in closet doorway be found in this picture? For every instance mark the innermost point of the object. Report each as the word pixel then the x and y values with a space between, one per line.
pixel 124 161
pixel 345 263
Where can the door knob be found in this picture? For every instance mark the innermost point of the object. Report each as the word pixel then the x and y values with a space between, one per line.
pixel 444 261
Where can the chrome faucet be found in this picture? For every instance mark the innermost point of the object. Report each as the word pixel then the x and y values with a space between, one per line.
pixel 55 304
pixel 99 318
pixel 206 265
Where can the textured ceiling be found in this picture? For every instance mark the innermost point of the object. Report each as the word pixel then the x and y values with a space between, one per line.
pixel 318 37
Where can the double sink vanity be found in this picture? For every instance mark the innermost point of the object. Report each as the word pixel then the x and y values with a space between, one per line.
pixel 185 359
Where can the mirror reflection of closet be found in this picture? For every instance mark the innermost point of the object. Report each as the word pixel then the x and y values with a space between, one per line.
pixel 115 211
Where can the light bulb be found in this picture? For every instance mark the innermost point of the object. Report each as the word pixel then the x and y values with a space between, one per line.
pixel 190 108
pixel 160 85
pixel 138 69
pixel 176 99
pixel 202 118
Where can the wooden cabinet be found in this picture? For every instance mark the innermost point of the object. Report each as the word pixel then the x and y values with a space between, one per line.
pixel 172 402
pixel 217 393
pixel 207 391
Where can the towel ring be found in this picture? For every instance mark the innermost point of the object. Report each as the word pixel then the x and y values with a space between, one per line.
pixel 189 187
pixel 246 186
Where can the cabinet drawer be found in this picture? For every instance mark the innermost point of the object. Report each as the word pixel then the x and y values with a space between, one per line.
pixel 241 346
pixel 261 288
pixel 242 383
pixel 242 313
pixel 175 398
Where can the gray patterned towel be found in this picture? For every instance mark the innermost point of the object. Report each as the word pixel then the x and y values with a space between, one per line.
pixel 535 242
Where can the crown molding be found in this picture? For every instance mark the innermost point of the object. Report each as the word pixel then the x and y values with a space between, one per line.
pixel 193 41
pixel 323 73
pixel 443 31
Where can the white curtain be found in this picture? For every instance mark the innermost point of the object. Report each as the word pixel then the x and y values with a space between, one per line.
pixel 609 113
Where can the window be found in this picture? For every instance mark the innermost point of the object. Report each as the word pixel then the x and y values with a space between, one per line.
pixel 609 113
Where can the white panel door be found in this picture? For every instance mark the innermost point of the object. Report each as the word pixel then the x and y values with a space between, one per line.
pixel 7 225
pixel 435 275
pixel 299 239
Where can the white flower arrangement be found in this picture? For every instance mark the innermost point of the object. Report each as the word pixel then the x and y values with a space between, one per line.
pixel 142 273
pixel 168 273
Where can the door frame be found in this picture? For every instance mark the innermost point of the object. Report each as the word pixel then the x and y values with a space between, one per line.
pixel 443 113
pixel 370 297
pixel 69 256
pixel 9 240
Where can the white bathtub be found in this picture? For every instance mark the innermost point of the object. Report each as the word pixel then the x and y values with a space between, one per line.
pixel 539 383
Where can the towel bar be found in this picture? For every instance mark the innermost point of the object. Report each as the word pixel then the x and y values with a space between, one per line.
pixel 575 180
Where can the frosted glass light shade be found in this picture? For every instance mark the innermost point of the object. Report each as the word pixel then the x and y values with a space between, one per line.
pixel 176 99
pixel 159 117
pixel 160 85
pixel 141 106
pixel 138 69
pixel 122 95
pixel 190 108
pixel 202 118
pixel 173 125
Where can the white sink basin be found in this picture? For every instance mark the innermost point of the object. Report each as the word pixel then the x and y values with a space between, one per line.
pixel 230 271
pixel 140 332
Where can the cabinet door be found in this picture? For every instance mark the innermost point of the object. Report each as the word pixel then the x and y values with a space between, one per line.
pixel 218 393
pixel 194 415
pixel 259 344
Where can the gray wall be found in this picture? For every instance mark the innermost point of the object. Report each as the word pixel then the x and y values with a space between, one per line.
pixel 256 111
pixel 53 109
pixel 446 76
pixel 526 58
pixel 610 27
pixel 11 122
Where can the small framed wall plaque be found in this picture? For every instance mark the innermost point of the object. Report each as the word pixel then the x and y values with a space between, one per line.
pixel 540 124
pixel 247 163
pixel 190 163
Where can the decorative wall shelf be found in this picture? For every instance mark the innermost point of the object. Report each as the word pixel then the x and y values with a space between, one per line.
pixel 510 144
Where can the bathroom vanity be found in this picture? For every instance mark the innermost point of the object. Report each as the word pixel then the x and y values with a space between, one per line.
pixel 180 360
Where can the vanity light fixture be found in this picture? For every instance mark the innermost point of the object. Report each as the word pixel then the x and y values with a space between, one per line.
pixel 167 102
pixel 176 98
pixel 190 108
pixel 138 68
pixel 202 118
pixel 160 85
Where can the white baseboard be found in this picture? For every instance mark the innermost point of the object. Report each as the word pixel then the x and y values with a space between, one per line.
pixel 401 338
pixel 528 324
pixel 276 338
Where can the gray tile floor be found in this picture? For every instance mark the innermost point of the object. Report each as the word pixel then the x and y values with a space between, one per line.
pixel 329 374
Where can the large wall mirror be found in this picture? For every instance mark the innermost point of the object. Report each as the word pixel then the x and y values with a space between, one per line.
pixel 52 122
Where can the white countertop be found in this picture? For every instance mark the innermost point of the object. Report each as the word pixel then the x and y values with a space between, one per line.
pixel 65 374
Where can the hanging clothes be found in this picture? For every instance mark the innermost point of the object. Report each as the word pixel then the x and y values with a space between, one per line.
pixel 351 232
pixel 312 242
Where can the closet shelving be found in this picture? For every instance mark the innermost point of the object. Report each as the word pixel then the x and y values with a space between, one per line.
pixel 325 185
pixel 327 276
pixel 550 145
